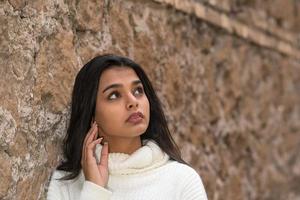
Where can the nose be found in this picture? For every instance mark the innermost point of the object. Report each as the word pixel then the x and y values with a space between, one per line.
pixel 132 102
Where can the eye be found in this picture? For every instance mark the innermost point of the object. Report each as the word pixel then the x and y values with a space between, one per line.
pixel 139 90
pixel 113 95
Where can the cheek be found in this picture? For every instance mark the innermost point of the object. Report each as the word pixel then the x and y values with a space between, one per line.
pixel 146 107
pixel 107 113
pixel 109 118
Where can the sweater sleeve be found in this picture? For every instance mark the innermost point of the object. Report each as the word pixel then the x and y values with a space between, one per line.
pixel 193 188
pixel 91 191
pixel 78 190
pixel 55 191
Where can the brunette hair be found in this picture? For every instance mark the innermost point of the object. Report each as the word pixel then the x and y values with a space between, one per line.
pixel 83 109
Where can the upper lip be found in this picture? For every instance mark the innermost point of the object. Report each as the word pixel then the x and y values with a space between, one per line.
pixel 135 115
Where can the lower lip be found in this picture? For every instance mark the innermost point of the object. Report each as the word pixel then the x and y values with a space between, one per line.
pixel 135 120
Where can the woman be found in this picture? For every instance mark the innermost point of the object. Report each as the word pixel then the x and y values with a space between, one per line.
pixel 118 145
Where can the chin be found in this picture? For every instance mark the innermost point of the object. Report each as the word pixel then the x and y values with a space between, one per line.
pixel 138 130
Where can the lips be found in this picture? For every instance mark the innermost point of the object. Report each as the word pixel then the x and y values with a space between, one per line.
pixel 135 117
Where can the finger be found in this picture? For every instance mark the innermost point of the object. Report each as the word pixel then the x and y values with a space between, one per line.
pixel 90 139
pixel 88 134
pixel 91 148
pixel 85 141
pixel 90 130
pixel 92 122
pixel 96 135
pixel 92 134
pixel 104 155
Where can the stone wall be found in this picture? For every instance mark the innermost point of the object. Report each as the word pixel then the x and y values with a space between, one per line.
pixel 229 82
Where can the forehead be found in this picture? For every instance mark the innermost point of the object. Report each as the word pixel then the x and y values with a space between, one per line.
pixel 117 75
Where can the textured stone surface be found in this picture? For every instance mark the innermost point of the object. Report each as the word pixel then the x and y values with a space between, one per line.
pixel 5 173
pixel 269 12
pixel 232 105
pixel 263 33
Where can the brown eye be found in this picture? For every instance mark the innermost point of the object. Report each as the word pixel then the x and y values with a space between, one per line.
pixel 140 90
pixel 113 95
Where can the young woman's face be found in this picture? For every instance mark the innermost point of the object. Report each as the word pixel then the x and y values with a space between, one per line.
pixel 120 94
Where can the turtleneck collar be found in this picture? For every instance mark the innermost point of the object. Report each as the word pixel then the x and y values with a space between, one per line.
pixel 148 157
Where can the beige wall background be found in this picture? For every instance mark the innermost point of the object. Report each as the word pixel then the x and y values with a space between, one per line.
pixel 227 72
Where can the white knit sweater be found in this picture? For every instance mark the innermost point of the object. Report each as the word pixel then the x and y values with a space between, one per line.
pixel 146 174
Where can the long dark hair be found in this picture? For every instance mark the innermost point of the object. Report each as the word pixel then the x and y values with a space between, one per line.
pixel 83 109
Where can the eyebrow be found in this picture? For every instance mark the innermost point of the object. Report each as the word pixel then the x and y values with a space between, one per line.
pixel 116 85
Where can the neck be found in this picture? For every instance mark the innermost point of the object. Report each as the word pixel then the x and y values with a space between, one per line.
pixel 123 145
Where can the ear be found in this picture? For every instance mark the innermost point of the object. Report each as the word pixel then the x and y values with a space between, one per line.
pixel 92 121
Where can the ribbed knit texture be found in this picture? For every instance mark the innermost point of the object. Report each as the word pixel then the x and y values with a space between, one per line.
pixel 145 174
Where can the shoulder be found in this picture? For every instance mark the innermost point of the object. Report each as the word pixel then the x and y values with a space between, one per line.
pixel 55 181
pixel 183 170
pixel 58 183
pixel 59 189
pixel 58 174
pixel 77 188
pixel 189 182
pixel 56 189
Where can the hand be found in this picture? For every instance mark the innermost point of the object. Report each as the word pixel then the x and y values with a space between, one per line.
pixel 96 173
